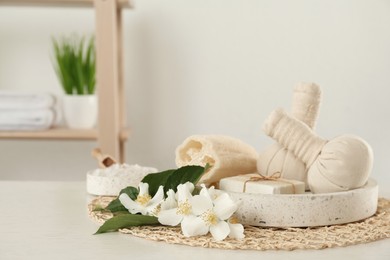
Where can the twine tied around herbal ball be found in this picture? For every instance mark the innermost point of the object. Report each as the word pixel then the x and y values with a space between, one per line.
pixel 275 176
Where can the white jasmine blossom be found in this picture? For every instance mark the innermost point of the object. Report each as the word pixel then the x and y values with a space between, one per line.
pixel 209 192
pixel 210 211
pixel 170 202
pixel 180 208
pixel 144 204
pixel 214 219
pixel 236 229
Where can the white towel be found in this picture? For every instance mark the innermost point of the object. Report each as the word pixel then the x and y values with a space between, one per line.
pixel 25 100
pixel 35 119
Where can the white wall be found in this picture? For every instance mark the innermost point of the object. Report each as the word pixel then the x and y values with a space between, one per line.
pixel 212 66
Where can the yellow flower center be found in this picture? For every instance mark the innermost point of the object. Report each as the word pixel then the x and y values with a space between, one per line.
pixel 210 218
pixel 184 208
pixel 156 210
pixel 143 199
pixel 233 220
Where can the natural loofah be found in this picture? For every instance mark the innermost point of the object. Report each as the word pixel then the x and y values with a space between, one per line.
pixel 228 156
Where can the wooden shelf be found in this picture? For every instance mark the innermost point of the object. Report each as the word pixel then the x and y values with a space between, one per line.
pixel 110 131
pixel 55 133
pixel 61 3
pixel 59 134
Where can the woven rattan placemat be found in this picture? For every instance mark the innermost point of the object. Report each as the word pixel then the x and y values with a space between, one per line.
pixel 257 238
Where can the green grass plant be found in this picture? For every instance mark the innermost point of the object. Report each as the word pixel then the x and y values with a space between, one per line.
pixel 75 64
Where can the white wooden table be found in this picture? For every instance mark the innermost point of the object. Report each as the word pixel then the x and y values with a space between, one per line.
pixel 48 220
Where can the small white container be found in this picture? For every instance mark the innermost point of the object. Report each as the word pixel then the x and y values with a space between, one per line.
pixel 110 181
pixel 80 111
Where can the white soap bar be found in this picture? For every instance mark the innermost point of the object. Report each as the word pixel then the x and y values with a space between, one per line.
pixel 242 183
pixel 110 181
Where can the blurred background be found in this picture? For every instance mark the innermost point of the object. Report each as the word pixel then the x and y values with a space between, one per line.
pixel 210 67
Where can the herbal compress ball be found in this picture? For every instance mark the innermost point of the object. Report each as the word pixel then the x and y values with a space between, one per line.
pixel 305 106
pixel 340 164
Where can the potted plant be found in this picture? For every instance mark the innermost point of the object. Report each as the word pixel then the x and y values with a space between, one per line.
pixel 75 65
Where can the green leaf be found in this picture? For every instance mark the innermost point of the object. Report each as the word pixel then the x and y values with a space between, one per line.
pixel 116 205
pixel 126 220
pixel 131 191
pixel 184 174
pixel 155 180
pixel 121 213
pixel 170 179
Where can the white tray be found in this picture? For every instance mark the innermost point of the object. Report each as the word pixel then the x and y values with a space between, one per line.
pixel 307 210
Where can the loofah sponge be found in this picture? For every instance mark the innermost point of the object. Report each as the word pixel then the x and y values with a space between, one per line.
pixel 228 156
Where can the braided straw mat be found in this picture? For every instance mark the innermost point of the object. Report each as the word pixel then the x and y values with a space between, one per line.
pixel 259 238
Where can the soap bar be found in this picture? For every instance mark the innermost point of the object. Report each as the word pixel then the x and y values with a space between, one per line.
pixel 110 181
pixel 242 183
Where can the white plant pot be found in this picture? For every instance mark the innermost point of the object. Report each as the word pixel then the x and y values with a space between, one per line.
pixel 80 111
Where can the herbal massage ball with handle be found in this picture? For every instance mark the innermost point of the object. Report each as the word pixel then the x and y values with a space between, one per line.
pixel 275 158
pixel 340 164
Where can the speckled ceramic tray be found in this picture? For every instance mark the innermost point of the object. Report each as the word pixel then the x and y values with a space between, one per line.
pixel 307 210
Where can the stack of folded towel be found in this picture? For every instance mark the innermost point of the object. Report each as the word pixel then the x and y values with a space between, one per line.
pixel 26 111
